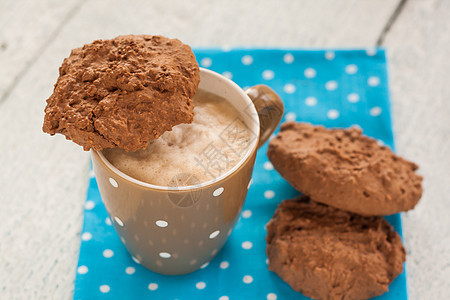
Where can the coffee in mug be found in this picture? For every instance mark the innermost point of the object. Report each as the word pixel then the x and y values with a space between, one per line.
pixel 193 153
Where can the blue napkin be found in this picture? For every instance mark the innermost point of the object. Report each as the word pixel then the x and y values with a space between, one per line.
pixel 337 88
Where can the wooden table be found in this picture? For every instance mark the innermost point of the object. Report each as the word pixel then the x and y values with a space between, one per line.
pixel 43 179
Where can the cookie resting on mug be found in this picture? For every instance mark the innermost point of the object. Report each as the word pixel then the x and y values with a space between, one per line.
pixel 123 92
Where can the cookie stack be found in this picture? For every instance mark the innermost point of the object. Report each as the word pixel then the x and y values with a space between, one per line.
pixel 332 242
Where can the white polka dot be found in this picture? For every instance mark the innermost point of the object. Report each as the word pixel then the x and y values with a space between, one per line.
pixel 375 111
pixel 82 270
pixel 108 253
pixel 247 60
pixel 152 286
pixel 246 213
pixel 161 223
pixel 224 298
pixel 108 221
pixel 267 261
pixel 331 85
pixel 247 245
pixel 165 255
pixel 249 184
pixel 224 265
pixel 206 62
pixel 89 205
pixel 247 279
pixel 356 126
pixel 351 69
pixel 104 288
pixel 200 285
pixel 269 194
pixel 371 51
pixel 289 88
pixel 214 234
pixel 329 55
pixel 380 142
pixel 310 73
pixel 353 97
pixel 204 265
pixel 268 166
pixel 271 296
pixel 86 236
pixel 136 260
pixel 113 182
pixel 91 174
pixel 332 114
pixel 373 81
pixel 118 221
pixel 311 101
pixel 268 74
pixel 288 58
pixel 290 116
pixel 228 74
pixel 130 270
pixel 218 192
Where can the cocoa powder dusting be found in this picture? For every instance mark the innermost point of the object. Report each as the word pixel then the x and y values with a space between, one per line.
pixel 327 253
pixel 123 92
pixel 345 169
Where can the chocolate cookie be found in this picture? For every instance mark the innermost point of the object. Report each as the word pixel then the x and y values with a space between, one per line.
pixel 344 169
pixel 327 253
pixel 123 92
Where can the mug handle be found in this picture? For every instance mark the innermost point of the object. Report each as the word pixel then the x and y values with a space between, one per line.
pixel 270 110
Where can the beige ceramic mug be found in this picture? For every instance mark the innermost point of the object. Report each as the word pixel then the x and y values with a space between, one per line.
pixel 177 229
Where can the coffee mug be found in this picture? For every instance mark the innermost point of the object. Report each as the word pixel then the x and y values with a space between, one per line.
pixel 177 229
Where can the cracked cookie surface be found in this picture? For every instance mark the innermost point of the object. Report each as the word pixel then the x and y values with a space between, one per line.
pixel 123 92
pixel 328 253
pixel 345 169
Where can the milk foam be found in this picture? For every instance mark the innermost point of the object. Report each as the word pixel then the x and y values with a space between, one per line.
pixel 211 145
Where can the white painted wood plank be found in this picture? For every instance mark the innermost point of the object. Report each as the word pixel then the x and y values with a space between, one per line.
pixel 43 182
pixel 25 27
pixel 288 23
pixel 418 48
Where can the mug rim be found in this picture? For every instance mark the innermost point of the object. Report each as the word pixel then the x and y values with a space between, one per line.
pixel 241 162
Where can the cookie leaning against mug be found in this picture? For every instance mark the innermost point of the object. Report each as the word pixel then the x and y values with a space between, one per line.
pixel 345 169
pixel 123 92
pixel 328 253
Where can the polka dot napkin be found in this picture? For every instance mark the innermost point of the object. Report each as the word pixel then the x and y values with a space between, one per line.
pixel 334 88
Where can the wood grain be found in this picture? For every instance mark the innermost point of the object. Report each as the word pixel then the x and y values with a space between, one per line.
pixel 26 29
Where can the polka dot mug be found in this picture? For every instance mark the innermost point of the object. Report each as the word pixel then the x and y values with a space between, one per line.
pixel 178 229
